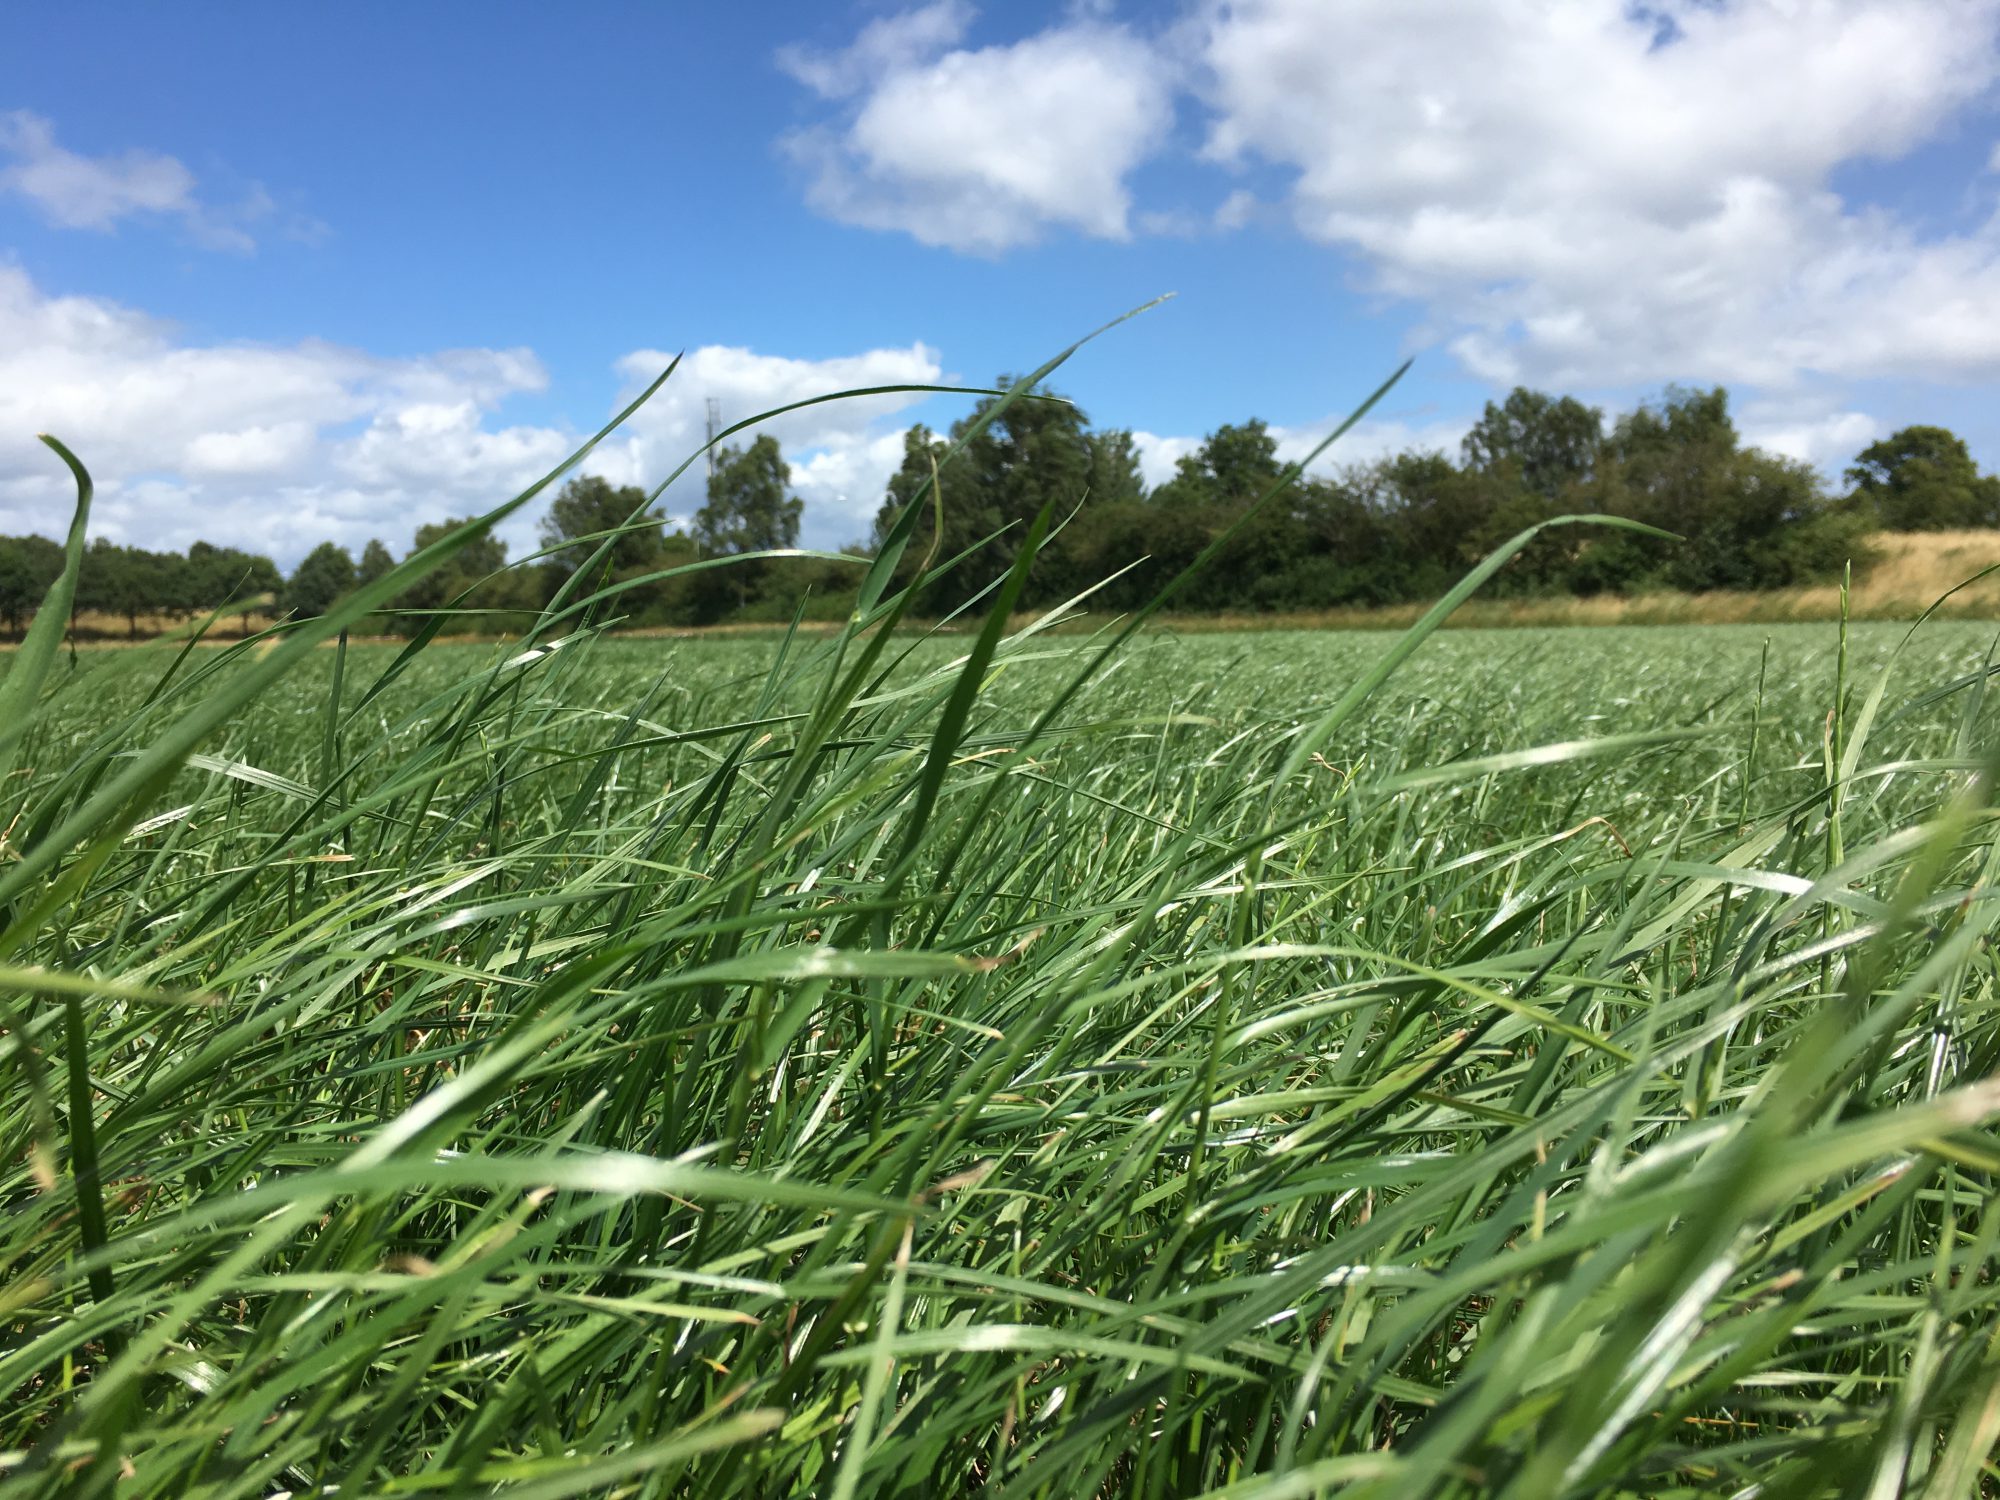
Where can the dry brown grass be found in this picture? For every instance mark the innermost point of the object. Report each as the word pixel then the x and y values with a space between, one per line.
pixel 1907 573
pixel 95 626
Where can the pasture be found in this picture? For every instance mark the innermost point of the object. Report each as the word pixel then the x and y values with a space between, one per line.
pixel 1538 1063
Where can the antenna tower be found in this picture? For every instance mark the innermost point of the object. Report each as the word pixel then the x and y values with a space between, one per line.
pixel 714 431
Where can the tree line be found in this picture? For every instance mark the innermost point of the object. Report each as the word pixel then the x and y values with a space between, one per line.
pixel 750 509
pixel 1405 527
pixel 1399 529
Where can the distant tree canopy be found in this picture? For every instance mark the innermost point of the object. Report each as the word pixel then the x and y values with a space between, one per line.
pixel 1547 445
pixel 28 565
pixel 1233 464
pixel 590 512
pixel 376 562
pixel 584 517
pixel 132 583
pixel 1038 449
pixel 750 508
pixel 1924 479
pixel 220 576
pixel 1400 528
pixel 923 450
pixel 321 580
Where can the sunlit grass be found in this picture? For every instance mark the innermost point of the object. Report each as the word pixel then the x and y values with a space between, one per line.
pixel 1536 1064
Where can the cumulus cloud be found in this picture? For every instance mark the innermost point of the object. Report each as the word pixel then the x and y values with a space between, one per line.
pixel 1580 193
pixel 982 149
pixel 278 447
pixel 888 44
pixel 1371 439
pixel 841 452
pixel 1826 439
pixel 1593 193
pixel 271 446
pixel 74 191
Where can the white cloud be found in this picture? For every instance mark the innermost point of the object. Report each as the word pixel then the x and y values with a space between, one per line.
pixel 82 192
pixel 275 447
pixel 1576 192
pixel 983 150
pixel 841 452
pixel 1369 440
pixel 1169 223
pixel 1158 455
pixel 1593 195
pixel 249 450
pixel 1828 440
pixel 278 447
pixel 888 44
pixel 843 487
pixel 1238 209
pixel 74 191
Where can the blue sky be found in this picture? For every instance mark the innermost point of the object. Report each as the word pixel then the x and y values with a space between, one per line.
pixel 284 273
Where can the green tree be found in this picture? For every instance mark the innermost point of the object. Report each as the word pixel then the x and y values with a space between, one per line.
pixel 1924 479
pixel 1114 477
pixel 750 509
pixel 476 577
pixel 643 548
pixel 221 576
pixel 104 582
pixel 260 576
pixel 320 581
pixel 1670 463
pixel 922 450
pixel 28 565
pixel 1547 444
pixel 589 506
pixel 1235 463
pixel 376 562
pixel 1243 460
pixel 1037 450
pixel 670 601
pixel 1530 457
pixel 1666 444
pixel 1432 513
pixel 1745 519
pixel 127 581
pixel 1675 459
pixel 750 504
pixel 1779 528
pixel 164 582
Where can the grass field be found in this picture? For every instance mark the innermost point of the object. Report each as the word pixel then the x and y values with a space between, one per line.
pixel 595 1094
pixel 1527 1063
